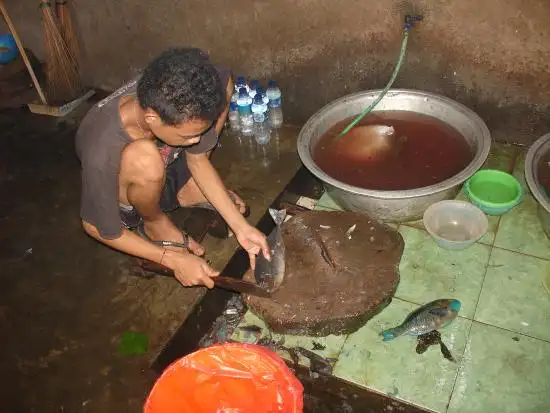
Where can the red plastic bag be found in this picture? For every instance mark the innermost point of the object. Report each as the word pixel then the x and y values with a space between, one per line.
pixel 227 378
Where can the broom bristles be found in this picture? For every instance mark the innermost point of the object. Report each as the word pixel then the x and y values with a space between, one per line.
pixel 67 29
pixel 63 78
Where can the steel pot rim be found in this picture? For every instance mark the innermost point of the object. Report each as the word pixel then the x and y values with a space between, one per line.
pixel 484 144
pixel 530 171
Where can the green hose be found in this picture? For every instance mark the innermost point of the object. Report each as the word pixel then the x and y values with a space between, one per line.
pixel 388 86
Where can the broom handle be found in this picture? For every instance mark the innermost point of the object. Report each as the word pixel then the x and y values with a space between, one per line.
pixel 23 53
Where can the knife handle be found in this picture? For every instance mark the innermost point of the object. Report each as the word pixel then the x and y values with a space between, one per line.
pixel 230 283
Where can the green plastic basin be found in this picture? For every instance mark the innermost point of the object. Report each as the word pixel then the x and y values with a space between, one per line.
pixel 494 192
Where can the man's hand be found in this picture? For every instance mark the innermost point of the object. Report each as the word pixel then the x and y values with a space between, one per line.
pixel 189 269
pixel 254 242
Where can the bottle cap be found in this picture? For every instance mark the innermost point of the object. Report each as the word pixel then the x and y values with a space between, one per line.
pixel 258 99
pixel 272 83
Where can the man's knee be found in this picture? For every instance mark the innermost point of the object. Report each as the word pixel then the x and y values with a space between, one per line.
pixel 142 163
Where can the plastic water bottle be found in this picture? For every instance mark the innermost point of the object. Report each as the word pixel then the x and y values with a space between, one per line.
pixel 240 83
pixel 244 103
pixel 253 88
pixel 261 91
pixel 233 115
pixel 261 126
pixel 275 110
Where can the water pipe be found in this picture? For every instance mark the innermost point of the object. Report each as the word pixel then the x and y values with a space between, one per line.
pixel 410 21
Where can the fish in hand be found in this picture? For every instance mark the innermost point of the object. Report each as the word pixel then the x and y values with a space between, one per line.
pixel 269 274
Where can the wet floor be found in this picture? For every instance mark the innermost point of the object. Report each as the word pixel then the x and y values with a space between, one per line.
pixel 496 354
pixel 65 300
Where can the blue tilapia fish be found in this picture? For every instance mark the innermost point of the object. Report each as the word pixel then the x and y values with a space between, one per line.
pixel 269 274
pixel 432 316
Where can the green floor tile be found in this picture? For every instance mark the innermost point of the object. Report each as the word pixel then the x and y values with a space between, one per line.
pixel 514 294
pixel 520 230
pixel 429 272
pixel 324 208
pixel 502 372
pixel 326 203
pixel 501 157
pixel 331 344
pixel 395 368
pixel 419 224
pixel 519 169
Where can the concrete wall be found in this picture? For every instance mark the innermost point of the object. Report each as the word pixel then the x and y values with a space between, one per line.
pixel 493 55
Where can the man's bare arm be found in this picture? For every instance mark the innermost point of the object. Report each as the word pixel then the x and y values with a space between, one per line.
pixel 188 269
pixel 129 243
pixel 211 185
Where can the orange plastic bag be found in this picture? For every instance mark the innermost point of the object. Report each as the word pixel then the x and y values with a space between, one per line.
pixel 227 378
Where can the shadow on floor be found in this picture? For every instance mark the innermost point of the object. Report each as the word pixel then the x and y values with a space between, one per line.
pixel 65 300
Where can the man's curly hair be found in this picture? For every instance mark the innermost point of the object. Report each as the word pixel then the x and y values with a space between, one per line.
pixel 182 84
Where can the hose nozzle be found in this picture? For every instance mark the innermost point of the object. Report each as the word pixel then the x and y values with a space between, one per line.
pixel 411 20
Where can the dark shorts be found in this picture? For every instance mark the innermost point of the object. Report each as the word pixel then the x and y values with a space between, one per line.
pixel 177 175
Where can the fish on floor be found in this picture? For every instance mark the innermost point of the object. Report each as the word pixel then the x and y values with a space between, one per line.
pixel 432 316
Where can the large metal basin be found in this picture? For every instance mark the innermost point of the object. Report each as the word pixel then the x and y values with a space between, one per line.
pixel 402 205
pixel 535 153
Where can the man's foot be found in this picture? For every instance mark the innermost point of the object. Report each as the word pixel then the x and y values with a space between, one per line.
pixel 166 231
pixel 191 196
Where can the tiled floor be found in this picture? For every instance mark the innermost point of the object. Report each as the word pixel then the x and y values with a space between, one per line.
pixel 502 338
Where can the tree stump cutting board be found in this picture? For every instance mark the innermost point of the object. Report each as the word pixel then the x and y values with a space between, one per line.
pixel 341 270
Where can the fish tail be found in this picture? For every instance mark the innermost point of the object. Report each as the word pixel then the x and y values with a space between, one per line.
pixel 278 215
pixel 392 333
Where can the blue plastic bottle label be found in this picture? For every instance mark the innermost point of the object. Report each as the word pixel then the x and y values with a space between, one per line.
pixel 275 103
pixel 244 110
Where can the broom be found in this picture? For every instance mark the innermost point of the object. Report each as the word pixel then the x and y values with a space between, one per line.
pixel 67 29
pixel 62 77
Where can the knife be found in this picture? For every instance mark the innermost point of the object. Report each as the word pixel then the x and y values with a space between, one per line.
pixel 227 283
